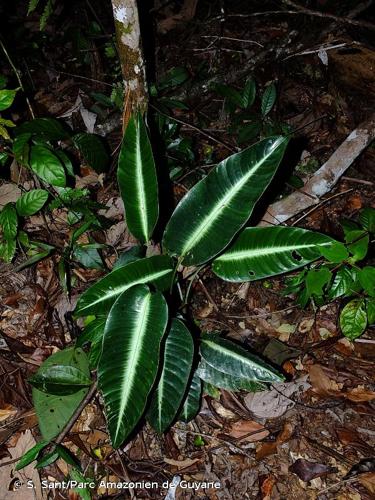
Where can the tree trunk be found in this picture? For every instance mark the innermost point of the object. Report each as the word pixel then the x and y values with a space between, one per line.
pixel 129 44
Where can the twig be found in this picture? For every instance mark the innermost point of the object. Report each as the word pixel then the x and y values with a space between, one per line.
pixel 197 129
pixel 232 39
pixel 60 438
pixel 320 205
pixel 327 15
pixel 357 181
pixel 18 77
pixel 208 295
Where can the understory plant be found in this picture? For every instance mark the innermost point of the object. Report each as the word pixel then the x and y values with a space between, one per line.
pixel 148 359
pixel 341 274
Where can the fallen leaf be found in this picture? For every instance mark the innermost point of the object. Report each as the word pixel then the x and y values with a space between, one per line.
pixel 360 394
pixel 274 403
pixel 267 449
pixel 181 464
pixel 7 412
pixel 368 481
pixel 9 193
pixel 247 430
pixel 307 470
pixel 266 486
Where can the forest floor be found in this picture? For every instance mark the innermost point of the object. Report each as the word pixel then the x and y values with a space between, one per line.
pixel 311 437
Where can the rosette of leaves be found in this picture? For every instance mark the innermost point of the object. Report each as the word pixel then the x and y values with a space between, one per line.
pixel 150 363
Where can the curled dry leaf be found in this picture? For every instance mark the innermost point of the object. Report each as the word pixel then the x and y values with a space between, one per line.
pixel 267 449
pixel 307 470
pixel 247 430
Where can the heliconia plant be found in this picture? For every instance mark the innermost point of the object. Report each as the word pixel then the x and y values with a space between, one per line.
pixel 149 363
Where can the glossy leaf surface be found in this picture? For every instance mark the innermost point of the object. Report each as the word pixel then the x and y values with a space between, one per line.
pixel 192 401
pixel 29 203
pixel 266 251
pixel 130 357
pixel 212 212
pixel 99 297
pixel 137 180
pixel 178 358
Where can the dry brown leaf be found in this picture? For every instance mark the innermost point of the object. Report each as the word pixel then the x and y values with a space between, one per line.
pixel 266 487
pixel 321 383
pixel 368 481
pixel 181 464
pixel 360 394
pixel 247 430
pixel 267 449
pixel 6 412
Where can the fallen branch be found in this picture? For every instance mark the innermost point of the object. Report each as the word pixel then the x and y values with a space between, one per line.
pixel 325 178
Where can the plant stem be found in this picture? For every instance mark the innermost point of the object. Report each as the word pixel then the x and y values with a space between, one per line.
pixel 17 76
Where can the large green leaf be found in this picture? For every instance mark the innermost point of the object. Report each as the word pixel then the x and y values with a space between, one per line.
pixel 48 129
pixel 7 98
pixel 9 221
pixel 32 201
pixel 54 411
pixel 212 212
pixel 60 379
pixel 93 150
pixel 93 334
pixel 98 299
pixel 192 401
pixel 31 454
pixel 47 166
pixel 353 318
pixel 227 357
pixel 137 180
pixel 265 251
pixel 220 379
pixel 130 357
pixel 178 358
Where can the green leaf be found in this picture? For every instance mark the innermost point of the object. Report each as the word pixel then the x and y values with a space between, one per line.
pixel 248 94
pixel 353 319
pixel 335 253
pixel 211 213
pixel 47 129
pixel 93 334
pixel 33 4
pixel 231 94
pixel 370 307
pixel 7 250
pixel 367 219
pixel 88 256
pixel 366 277
pixel 54 411
pixel 21 148
pixel 136 176
pixel 67 456
pixel 178 358
pixel 98 299
pixel 31 455
pixel 248 132
pixel 192 401
pixel 173 78
pixel 134 253
pixel 128 366
pixel 268 99
pixel 266 251
pixel 316 280
pixel 222 380
pixel 47 460
pixel 33 260
pixel 31 202
pixel 357 243
pixel 7 98
pixel 47 166
pixel 342 284
pixel 82 490
pixel 93 150
pixel 60 379
pixel 9 221
pixel 227 357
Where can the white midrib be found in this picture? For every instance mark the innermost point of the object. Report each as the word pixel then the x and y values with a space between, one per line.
pixel 232 354
pixel 260 252
pixel 140 188
pixel 204 226
pixel 128 377
pixel 120 289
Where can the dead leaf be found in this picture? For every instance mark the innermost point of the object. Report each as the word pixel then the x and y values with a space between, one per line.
pixel 181 464
pixel 266 486
pixel 267 449
pixel 247 430
pixel 368 481
pixel 6 412
pixel 360 394
pixel 274 403
pixel 9 193
pixel 307 470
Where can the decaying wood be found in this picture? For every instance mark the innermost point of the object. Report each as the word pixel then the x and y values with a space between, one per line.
pixel 325 178
pixel 129 46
